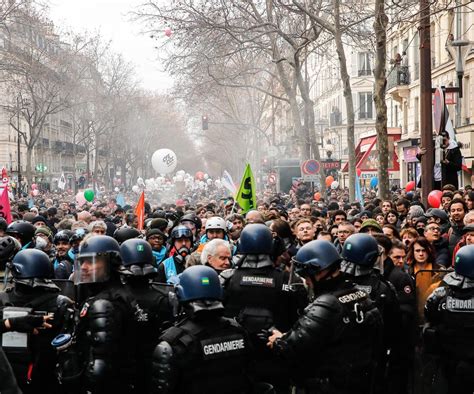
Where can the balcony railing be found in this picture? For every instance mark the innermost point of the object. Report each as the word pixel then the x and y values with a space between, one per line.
pixel 398 76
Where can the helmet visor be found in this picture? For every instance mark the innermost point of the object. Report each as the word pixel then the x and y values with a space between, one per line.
pixel 305 270
pixel 91 269
pixel 182 233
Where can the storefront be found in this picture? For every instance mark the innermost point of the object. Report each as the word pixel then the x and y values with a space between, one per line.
pixel 367 159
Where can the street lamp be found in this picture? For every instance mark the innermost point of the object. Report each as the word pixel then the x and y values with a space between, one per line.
pixel 459 50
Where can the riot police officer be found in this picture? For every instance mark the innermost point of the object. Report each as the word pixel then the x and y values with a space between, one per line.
pixel 181 239
pixel 260 297
pixel 102 338
pixel 449 312
pixel 360 254
pixel 33 359
pixel 151 308
pixel 204 352
pixel 333 345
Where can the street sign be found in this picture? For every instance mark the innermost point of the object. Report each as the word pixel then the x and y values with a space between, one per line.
pixel 310 171
pixel 310 167
pixel 41 168
pixel 439 110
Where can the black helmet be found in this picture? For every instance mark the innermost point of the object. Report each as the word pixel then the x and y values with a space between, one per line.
pixel 9 246
pixel 23 230
pixel 180 232
pixel 31 264
pixel 78 235
pixel 3 224
pixel 316 256
pixel 98 257
pixel 137 258
pixel 464 261
pixel 123 234
pixel 192 217
pixel 256 238
pixel 199 282
pixel 361 249
pixel 63 235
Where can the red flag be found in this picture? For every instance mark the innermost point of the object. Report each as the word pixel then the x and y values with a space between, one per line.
pixel 5 211
pixel 140 211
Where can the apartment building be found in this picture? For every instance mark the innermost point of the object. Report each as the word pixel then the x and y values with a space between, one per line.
pixel 403 91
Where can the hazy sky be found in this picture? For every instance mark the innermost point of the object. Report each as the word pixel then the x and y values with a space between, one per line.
pixel 110 17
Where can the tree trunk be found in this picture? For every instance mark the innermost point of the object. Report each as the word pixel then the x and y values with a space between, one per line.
pixel 309 129
pixel 380 28
pixel 29 172
pixel 347 90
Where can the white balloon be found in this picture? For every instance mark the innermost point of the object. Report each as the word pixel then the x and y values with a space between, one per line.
pixel 209 181
pixel 217 182
pixel 179 178
pixel 116 189
pixel 140 181
pixel 174 179
pixel 164 161
pixel 334 185
pixel 180 172
pixel 135 189
pixel 206 176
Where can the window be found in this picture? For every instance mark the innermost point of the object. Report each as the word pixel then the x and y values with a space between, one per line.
pixel 417 116
pixel 364 64
pixel 365 105
pixel 416 56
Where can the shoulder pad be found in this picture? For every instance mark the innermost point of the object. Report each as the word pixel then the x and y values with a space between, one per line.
pixel 439 292
pixel 225 275
pixel 101 306
pixel 163 351
pixel 323 306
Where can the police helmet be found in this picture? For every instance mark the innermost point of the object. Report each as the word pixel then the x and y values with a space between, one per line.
pixel 199 282
pixel 31 264
pixel 123 234
pixel 180 232
pixel 23 230
pixel 63 235
pixel 137 258
pixel 216 223
pixel 316 256
pixel 9 246
pixel 100 245
pixel 464 261
pixel 361 249
pixel 256 238
pixel 98 257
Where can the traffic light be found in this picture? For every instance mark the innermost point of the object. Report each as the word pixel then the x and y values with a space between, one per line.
pixel 205 122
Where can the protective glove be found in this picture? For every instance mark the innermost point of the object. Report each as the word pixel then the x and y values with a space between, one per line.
pixel 25 323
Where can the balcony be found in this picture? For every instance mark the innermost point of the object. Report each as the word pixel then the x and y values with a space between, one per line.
pixel 398 81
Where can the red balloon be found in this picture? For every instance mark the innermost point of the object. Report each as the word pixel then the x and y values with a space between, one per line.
pixel 359 172
pixel 199 175
pixel 34 186
pixel 410 186
pixel 434 198
pixel 168 31
pixel 317 196
pixel 329 180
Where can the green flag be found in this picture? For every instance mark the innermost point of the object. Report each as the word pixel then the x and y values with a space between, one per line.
pixel 246 195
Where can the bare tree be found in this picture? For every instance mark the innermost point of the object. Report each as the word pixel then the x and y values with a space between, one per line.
pixel 380 28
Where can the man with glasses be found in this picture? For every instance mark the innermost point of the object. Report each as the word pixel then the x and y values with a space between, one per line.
pixel 344 230
pixel 433 234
